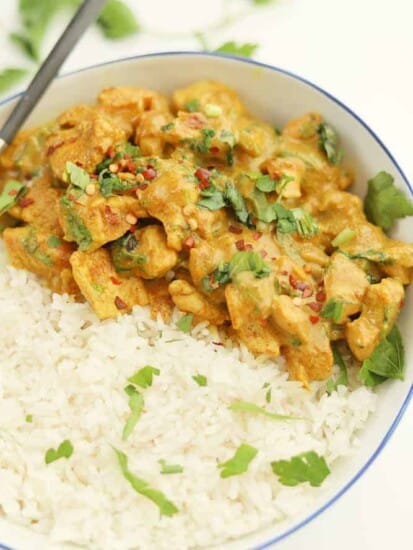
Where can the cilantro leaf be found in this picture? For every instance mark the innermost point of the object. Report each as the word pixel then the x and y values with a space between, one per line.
pixel 246 49
pixel 328 142
pixel 213 198
pixel 240 261
pixel 266 184
pixel 77 176
pixel 332 310
pixel 11 76
pixel 200 379
pixel 234 199
pixel 239 463
pixel 204 144
pixel 192 106
pixel 386 361
pixel 385 203
pixel 53 241
pixel 64 450
pixel 136 404
pixel 304 467
pixel 170 468
pixel 342 379
pixel 166 507
pixel 144 376
pixel 117 20
pixel 306 225
pixel 246 406
pixel 10 195
pixel 185 323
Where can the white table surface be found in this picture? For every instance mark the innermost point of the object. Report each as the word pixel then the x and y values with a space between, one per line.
pixel 361 51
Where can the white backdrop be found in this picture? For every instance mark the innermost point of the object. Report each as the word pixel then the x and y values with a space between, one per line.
pixel 361 51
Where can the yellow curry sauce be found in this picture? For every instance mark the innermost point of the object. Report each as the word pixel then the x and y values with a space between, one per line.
pixel 193 203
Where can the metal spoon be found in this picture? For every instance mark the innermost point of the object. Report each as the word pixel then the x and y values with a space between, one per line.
pixel 86 14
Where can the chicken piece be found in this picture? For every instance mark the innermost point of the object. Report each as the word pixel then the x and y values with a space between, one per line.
pixel 260 338
pixel 201 93
pixel 304 128
pixel 42 253
pixel 126 104
pixel 144 253
pixel 107 293
pixel 166 198
pixel 291 319
pixel 207 223
pixel 149 134
pixel 39 206
pixel 400 265
pixel 291 168
pixel 188 299
pixel 256 138
pixel 92 221
pixel 381 306
pixel 84 136
pixel 337 210
pixel 160 301
pixel 345 283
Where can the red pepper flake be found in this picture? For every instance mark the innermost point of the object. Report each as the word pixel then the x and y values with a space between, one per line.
pixel 257 235
pixel 195 121
pixel 315 306
pixel 293 281
pixel 214 150
pixel 204 184
pixel 131 166
pixel 149 173
pixel 111 152
pixel 263 322
pixel 189 242
pixel 248 247
pixel 202 174
pixel 115 280
pixel 25 201
pixel 235 229
pixel 240 244
pixel 307 292
pixel 143 186
pixel 401 303
pixel 320 296
pixel 71 197
pixel 254 220
pixel 263 253
pixel 12 193
pixel 314 319
pixel 111 217
pixel 276 176
pixel 119 303
pixel 283 272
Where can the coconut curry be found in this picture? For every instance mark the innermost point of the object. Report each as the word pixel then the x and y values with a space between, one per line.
pixel 193 203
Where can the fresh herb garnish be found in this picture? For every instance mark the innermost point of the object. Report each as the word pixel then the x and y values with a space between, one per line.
pixel 192 106
pixel 240 462
pixel 11 76
pixel 200 379
pixel 204 144
pixel 371 255
pixel 29 418
pixel 328 142
pixel 136 404
pixel 64 450
pixel 246 49
pixel 170 468
pixel 306 226
pixel 241 261
pixel 212 198
pixel 53 241
pixel 10 195
pixel 246 406
pixel 342 379
pixel 77 176
pixel 386 361
pixel 167 127
pixel 385 203
pixel 304 467
pixel 166 507
pixel 117 20
pixel 144 376
pixel 31 245
pixel 109 183
pixel 332 310
pixel 185 323
pixel 343 237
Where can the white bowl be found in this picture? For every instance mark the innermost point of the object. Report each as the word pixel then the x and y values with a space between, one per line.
pixel 275 96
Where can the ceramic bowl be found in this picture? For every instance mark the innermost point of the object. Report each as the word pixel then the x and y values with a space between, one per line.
pixel 275 96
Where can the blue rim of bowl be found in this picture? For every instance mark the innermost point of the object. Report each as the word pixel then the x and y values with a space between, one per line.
pixel 409 395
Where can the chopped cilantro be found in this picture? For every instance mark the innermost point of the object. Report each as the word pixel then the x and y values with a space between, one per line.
pixel 64 450
pixel 342 379
pixel 192 106
pixel 167 127
pixel 332 310
pixel 304 467
pixel 53 241
pixel 212 198
pixel 204 144
pixel 31 245
pixel 76 175
pixel 385 203
pixel 240 462
pixel 136 404
pixel 170 468
pixel 144 376
pixel 185 322
pixel 328 142
pixel 241 261
pixel 166 507
pixel 246 406
pixel 228 137
pixel 200 379
pixel 109 183
pixel 234 199
pixel 246 49
pixel 306 225
pixel 10 195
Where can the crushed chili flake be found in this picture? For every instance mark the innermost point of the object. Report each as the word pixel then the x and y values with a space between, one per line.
pixel 276 176
pixel 257 235
pixel 307 292
pixel 25 201
pixel 214 150
pixel 202 174
pixel 401 303
pixel 263 322
pixel 195 121
pixel 283 272
pixel 119 303
pixel 314 319
pixel 115 280
pixel 263 253
pixel 240 244
pixel 248 247
pixel 315 306
pixel 149 173
pixel 235 229
pixel 111 152
pixel 71 197
pixel 111 217
pixel 12 193
pixel 131 166
pixel 320 296
pixel 189 242
pixel 204 184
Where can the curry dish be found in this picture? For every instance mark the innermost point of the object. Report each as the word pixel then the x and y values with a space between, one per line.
pixel 191 202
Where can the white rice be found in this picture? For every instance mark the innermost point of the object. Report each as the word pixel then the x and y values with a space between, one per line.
pixel 68 370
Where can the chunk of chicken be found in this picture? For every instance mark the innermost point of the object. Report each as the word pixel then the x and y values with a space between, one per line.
pixel 149 134
pixel 291 319
pixel 256 138
pixel 336 210
pixel 206 92
pixel 188 299
pixel 84 136
pixel 160 301
pixel 44 254
pixel 107 293
pixel 345 283
pixel 304 128
pixel 381 306
pixel 293 169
